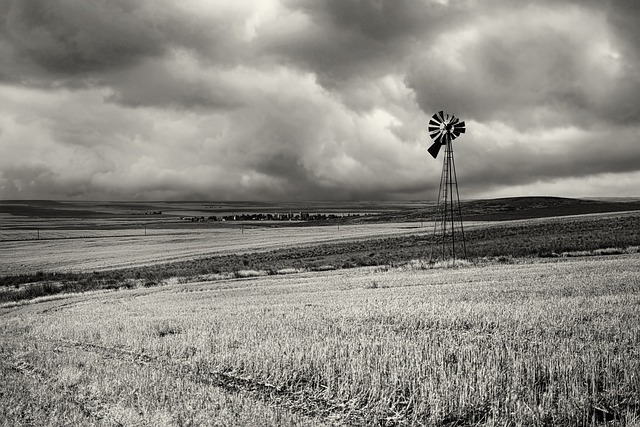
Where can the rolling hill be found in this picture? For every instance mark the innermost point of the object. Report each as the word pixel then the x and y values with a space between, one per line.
pixel 514 208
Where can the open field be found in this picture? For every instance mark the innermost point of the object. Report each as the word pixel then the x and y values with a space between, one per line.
pixel 227 249
pixel 31 268
pixel 117 248
pixel 340 322
pixel 117 251
pixel 95 236
pixel 539 342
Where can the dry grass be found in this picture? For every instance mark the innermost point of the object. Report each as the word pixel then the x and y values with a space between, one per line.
pixel 552 342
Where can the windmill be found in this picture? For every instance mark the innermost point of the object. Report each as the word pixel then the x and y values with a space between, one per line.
pixel 447 229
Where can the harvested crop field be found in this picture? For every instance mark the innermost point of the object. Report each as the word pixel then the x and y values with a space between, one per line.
pixel 545 342
pixel 114 250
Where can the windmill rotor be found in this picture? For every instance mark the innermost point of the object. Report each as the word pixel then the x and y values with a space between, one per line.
pixel 443 128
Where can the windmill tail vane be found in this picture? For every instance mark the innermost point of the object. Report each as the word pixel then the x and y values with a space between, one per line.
pixel 448 229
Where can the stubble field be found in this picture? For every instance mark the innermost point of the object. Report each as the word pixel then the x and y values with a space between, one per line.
pixel 532 343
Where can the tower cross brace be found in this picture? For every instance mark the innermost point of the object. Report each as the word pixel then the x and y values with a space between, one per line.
pixel 448 240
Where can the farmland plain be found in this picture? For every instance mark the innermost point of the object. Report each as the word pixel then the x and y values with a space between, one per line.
pixel 113 250
pixel 540 327
pixel 544 342
pixel 64 237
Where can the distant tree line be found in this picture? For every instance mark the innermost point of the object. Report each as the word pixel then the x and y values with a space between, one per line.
pixel 299 216
pixel 149 213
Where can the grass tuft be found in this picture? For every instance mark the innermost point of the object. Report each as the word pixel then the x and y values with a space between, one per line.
pixel 249 273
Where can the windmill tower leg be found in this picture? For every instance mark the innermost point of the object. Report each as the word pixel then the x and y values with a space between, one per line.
pixel 459 209
pixel 438 242
pixel 448 228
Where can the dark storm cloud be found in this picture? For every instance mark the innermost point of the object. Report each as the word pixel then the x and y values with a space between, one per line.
pixel 623 17
pixel 343 40
pixel 522 63
pixel 71 40
pixel 155 82
pixel 303 99
pixel 67 38
pixel 573 154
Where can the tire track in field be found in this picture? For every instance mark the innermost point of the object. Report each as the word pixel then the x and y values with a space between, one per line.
pixel 90 406
pixel 299 401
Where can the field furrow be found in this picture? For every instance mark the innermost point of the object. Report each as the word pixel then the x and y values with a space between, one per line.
pixel 37 381
pixel 307 409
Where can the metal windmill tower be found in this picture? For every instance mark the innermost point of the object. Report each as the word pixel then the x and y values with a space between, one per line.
pixel 448 231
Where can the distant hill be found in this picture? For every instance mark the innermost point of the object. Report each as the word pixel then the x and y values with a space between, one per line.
pixel 541 207
pixel 46 209
pixel 513 208
pixel 504 209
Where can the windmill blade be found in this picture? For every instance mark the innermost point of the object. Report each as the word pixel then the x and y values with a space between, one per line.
pixel 434 149
pixel 440 138
pixel 439 116
pixel 434 129
pixel 460 127
pixel 456 132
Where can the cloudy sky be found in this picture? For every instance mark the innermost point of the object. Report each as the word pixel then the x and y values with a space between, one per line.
pixel 316 99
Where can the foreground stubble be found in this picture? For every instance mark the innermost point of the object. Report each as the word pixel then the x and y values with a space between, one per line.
pixel 538 343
